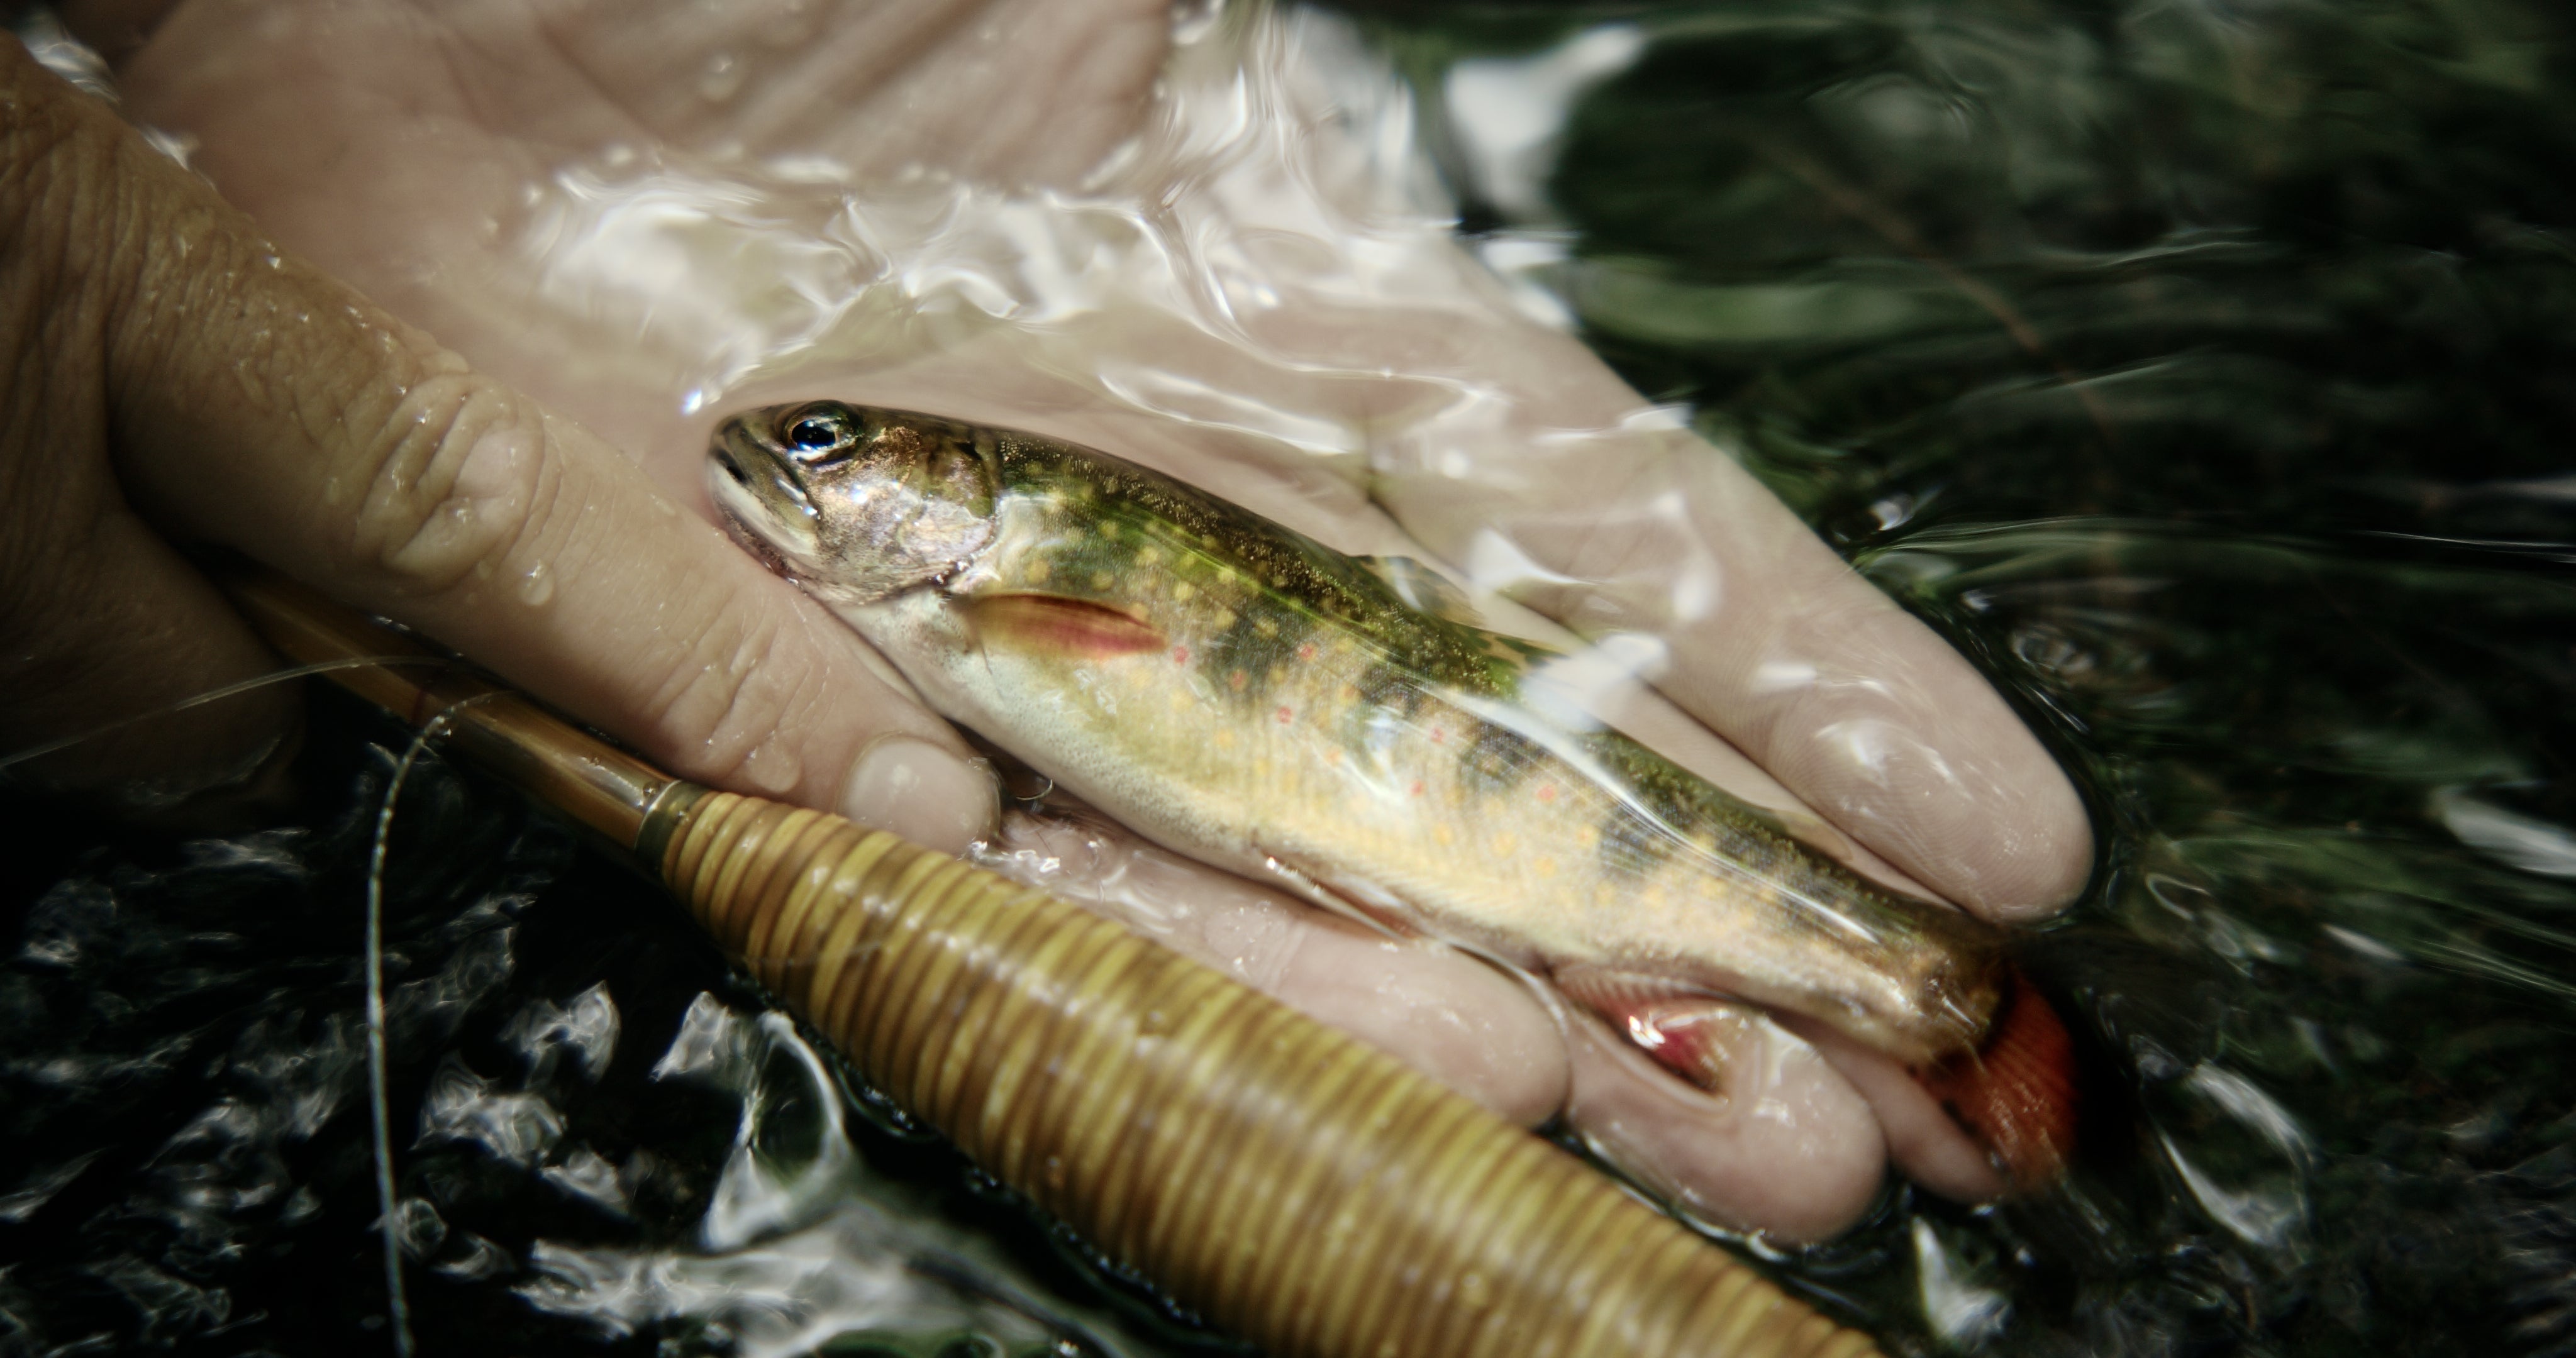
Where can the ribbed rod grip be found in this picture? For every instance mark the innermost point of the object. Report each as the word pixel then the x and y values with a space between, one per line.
pixel 1294 1184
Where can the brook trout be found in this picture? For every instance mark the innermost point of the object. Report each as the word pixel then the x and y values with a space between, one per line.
pixel 1248 697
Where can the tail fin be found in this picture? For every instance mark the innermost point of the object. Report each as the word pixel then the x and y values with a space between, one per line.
pixel 2016 1095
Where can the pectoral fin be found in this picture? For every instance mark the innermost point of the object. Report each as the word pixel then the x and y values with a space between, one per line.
pixel 1054 624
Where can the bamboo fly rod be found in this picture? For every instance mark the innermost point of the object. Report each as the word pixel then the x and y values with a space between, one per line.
pixel 1295 1185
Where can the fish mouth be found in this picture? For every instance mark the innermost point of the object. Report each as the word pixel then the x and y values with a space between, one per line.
pixel 763 508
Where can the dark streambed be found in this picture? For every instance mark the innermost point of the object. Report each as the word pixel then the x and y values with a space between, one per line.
pixel 2206 371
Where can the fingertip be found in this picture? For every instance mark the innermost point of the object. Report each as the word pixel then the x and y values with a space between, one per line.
pixel 1922 1140
pixel 929 795
pixel 1793 1153
pixel 2016 850
pixel 2041 861
pixel 1971 806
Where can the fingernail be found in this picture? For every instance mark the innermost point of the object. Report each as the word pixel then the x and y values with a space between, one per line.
pixel 917 790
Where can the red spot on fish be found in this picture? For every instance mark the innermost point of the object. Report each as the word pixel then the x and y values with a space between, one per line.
pixel 1417 788
pixel 1306 652
pixel 2017 1095
pixel 1180 655
pixel 1439 735
pixel 1235 681
pixel 1283 715
pixel 1547 792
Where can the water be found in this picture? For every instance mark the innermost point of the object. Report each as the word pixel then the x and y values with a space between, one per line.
pixel 2197 369
pixel 602 1142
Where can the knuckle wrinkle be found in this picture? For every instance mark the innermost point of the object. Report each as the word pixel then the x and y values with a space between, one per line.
pixel 454 484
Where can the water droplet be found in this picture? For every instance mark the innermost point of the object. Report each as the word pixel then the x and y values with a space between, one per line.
pixel 721 78
pixel 537 586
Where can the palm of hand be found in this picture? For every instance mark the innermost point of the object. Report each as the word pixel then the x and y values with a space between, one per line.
pixel 396 145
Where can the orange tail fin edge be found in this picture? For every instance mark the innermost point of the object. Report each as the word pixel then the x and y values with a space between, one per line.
pixel 2017 1094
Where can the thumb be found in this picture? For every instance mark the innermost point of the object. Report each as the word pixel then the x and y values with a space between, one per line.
pixel 254 402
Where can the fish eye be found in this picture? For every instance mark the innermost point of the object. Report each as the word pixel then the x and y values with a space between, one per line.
pixel 817 434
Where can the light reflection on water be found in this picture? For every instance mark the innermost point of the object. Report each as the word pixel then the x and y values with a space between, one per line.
pixel 591 1148
pixel 793 1252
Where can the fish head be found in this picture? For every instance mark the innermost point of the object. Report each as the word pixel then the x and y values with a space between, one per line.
pixel 856 503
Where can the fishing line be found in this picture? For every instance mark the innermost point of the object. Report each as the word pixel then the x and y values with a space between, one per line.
pixel 211 696
pixel 378 1098
pixel 380 1116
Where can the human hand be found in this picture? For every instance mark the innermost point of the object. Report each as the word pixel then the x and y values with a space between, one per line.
pixel 174 379
pixel 427 156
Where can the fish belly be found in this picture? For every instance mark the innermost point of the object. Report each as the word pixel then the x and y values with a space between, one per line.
pixel 1400 803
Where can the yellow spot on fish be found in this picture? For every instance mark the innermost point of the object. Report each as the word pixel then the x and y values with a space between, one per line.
pixel 1109 528
pixel 1265 627
pixel 1503 846
pixel 1180 698
pixel 1544 867
pixel 1349 693
pixel 1038 571
pixel 1100 580
pixel 1224 738
pixel 1182 590
pixel 1150 556
pixel 1224 619
pixel 1587 836
pixel 1443 833
pixel 1344 645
